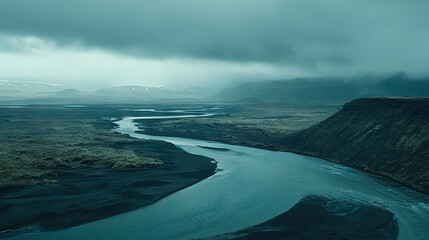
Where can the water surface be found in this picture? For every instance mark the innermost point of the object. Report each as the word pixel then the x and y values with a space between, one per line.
pixel 252 186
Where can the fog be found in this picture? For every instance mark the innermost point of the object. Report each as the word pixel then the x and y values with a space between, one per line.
pixel 199 43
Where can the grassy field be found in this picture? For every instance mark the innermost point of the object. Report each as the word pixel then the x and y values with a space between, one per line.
pixel 255 125
pixel 64 166
pixel 36 142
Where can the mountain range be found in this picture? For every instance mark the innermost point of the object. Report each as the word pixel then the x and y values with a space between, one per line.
pixel 327 90
pixel 36 93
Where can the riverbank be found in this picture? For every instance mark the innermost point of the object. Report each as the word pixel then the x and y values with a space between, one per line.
pixel 87 171
pixel 388 137
pixel 247 124
pixel 384 136
pixel 256 185
pixel 319 217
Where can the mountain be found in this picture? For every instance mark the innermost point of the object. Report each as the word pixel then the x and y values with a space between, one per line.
pixel 327 90
pixel 34 93
pixel 385 136
pixel 21 89
pixel 135 91
pixel 292 91
pixel 147 94
pixel 25 87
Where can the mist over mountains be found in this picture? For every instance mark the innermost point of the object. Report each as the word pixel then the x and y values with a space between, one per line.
pixel 324 90
pixel 327 90
pixel 12 92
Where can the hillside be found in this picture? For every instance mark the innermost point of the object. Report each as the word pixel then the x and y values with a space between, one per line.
pixel 385 136
pixel 297 90
pixel 327 90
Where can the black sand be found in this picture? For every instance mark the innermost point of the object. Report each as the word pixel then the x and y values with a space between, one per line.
pixel 82 195
pixel 316 217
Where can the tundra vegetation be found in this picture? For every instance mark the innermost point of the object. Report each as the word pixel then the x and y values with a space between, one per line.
pixel 34 146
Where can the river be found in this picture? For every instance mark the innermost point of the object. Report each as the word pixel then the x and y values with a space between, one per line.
pixel 251 186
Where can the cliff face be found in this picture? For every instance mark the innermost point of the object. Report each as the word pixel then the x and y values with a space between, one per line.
pixel 385 136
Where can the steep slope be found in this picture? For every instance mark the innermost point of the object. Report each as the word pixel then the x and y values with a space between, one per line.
pixel 386 136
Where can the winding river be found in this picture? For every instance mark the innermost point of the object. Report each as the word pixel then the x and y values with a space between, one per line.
pixel 251 186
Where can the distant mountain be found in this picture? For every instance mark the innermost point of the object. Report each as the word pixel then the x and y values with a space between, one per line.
pixel 25 86
pixel 327 90
pixel 12 89
pixel 385 136
pixel 401 85
pixel 23 92
pixel 136 91
pixel 67 93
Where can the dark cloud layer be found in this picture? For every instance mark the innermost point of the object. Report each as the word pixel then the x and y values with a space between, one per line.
pixel 366 35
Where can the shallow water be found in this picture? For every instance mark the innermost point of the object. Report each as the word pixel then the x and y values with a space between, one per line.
pixel 252 186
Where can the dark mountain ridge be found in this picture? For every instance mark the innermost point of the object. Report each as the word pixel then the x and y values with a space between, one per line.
pixel 385 136
pixel 328 90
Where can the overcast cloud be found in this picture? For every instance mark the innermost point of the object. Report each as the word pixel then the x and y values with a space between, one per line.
pixel 193 42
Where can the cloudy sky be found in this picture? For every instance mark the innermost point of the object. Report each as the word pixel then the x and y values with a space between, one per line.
pixel 182 43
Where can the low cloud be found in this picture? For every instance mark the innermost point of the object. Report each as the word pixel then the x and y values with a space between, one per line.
pixel 331 37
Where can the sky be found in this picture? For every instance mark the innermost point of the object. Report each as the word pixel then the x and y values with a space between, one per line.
pixel 208 43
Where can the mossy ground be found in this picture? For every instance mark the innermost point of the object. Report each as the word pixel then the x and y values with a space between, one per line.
pixel 63 166
pixel 255 125
pixel 34 142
